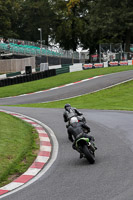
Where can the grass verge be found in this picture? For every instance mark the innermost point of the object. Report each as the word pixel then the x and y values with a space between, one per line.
pixel 58 80
pixel 19 145
pixel 119 97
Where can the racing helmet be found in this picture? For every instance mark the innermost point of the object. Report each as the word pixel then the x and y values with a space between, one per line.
pixel 73 120
pixel 67 105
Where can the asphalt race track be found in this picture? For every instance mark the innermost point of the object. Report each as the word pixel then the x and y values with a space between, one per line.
pixel 71 178
pixel 71 91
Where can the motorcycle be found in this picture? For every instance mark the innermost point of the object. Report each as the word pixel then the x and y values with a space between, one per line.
pixel 81 119
pixel 87 148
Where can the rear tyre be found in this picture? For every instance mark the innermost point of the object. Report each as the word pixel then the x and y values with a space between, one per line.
pixel 90 156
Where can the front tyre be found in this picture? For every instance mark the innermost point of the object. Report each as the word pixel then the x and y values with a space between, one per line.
pixel 90 156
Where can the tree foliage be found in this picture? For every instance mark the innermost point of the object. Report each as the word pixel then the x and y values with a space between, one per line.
pixel 34 15
pixel 72 4
pixel 113 21
pixel 69 22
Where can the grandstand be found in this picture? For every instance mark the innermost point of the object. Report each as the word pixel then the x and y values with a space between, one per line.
pixel 26 50
pixel 32 49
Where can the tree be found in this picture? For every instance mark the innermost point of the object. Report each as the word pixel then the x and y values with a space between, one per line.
pixel 88 38
pixel 68 24
pixel 9 15
pixel 5 22
pixel 127 23
pixel 112 20
pixel 34 15
pixel 14 9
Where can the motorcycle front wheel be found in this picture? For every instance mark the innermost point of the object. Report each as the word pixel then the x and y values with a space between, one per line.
pixel 90 156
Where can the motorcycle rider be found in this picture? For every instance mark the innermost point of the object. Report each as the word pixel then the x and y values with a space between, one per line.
pixel 70 112
pixel 75 131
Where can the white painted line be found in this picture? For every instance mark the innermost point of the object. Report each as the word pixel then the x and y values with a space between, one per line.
pixel 69 84
pixel 38 92
pixel 84 80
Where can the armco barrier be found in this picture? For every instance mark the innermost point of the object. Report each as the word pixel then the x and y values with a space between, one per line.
pixel 130 62
pixel 88 66
pixel 121 63
pixel 65 65
pixel 3 76
pixel 27 78
pixel 113 63
pixel 76 67
pixel 13 74
pixel 62 70
pixel 38 69
pixel 55 67
pixel 105 64
pixel 98 65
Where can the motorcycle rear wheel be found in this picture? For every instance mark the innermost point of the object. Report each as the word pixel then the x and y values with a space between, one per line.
pixel 90 156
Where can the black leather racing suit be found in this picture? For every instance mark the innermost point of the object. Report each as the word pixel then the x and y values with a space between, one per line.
pixel 70 112
pixel 76 129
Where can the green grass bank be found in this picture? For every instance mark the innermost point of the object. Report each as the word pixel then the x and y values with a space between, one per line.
pixel 19 144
